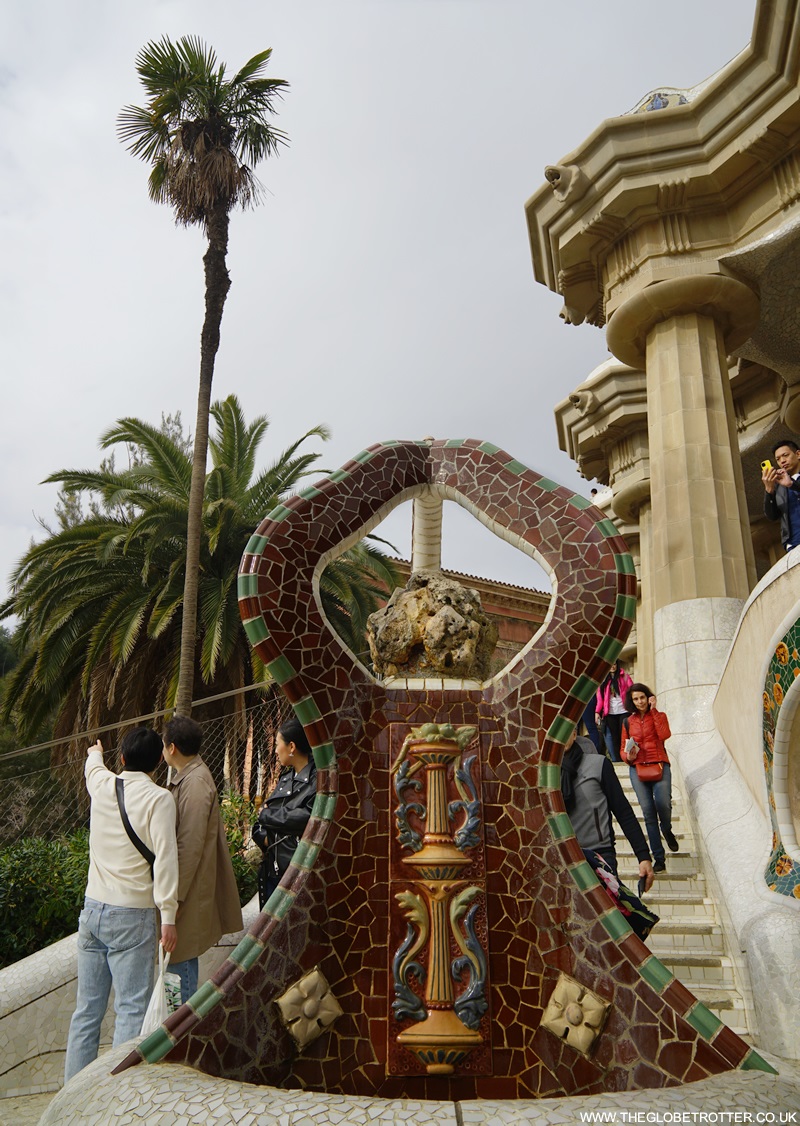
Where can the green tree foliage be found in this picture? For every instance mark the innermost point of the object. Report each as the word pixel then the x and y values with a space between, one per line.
pixel 100 601
pixel 203 132
pixel 42 884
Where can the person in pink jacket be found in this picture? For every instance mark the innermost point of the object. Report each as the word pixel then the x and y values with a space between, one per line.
pixel 648 729
pixel 611 708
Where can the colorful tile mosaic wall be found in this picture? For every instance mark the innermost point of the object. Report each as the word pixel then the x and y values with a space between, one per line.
pixel 782 872
pixel 544 910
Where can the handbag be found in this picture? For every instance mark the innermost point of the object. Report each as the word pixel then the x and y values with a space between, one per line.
pixel 639 918
pixel 165 997
pixel 649 771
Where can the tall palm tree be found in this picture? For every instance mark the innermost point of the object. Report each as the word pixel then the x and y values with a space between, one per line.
pixel 99 602
pixel 203 133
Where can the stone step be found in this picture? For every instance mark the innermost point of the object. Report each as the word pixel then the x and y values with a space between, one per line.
pixel 675 873
pixel 699 969
pixel 686 936
pixel 726 1003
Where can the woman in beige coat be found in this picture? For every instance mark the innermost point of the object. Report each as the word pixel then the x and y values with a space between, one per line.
pixel 208 898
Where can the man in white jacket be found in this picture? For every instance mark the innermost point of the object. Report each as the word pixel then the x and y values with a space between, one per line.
pixel 117 927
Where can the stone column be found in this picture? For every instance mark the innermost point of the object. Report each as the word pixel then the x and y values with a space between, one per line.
pixel 702 554
pixel 426 533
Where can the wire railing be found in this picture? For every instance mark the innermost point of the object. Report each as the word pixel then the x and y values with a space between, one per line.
pixel 43 788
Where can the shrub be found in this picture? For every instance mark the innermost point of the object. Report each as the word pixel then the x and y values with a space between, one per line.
pixel 42 884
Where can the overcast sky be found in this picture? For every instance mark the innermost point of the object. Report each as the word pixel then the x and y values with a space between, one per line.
pixel 384 288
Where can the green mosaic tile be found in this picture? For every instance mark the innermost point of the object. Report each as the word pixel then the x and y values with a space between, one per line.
pixel 247 586
pixel 339 475
pixel 256 630
pixel 560 826
pixel 547 485
pixel 156 1046
pixel 516 467
pixel 305 855
pixel 616 924
pixel 324 806
pixel 626 607
pixel 255 545
pixel 578 501
pixel 560 729
pixel 549 776
pixel 583 875
pixel 309 492
pixel 389 443
pixel 279 512
pixel 703 1020
pixel 454 443
pixel 754 1062
pixel 324 755
pixel 281 670
pixel 608 527
pixel 365 455
pixel 609 648
pixel 624 564
pixel 584 688
pixel 247 952
pixel 279 902
pixel 655 973
pixel 306 710
pixel 206 998
pixel 489 448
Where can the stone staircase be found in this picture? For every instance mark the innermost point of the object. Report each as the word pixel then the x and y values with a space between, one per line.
pixel 690 938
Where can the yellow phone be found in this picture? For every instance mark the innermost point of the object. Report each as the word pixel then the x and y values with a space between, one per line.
pixel 766 465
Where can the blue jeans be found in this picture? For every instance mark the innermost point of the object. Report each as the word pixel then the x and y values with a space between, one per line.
pixel 613 735
pixel 655 798
pixel 116 946
pixel 187 971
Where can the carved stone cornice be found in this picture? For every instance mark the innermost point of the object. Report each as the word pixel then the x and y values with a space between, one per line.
pixel 594 421
pixel 647 191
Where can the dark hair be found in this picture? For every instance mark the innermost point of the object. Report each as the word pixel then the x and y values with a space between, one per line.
pixel 790 442
pixel 185 733
pixel 629 696
pixel 569 768
pixel 293 732
pixel 141 750
pixel 613 677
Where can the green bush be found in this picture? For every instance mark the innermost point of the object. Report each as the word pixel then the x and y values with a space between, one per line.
pixel 42 884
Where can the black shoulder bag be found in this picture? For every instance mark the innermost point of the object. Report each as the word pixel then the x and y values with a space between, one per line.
pixel 136 841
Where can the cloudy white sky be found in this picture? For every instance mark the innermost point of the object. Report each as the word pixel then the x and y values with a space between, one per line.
pixel 385 286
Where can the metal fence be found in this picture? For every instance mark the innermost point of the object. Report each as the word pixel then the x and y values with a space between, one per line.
pixel 43 791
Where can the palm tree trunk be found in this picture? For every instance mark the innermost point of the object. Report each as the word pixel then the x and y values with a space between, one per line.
pixel 218 283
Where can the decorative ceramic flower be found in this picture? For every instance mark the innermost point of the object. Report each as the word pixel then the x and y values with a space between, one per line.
pixel 575 1014
pixel 782 653
pixel 783 865
pixel 308 1007
pixel 777 693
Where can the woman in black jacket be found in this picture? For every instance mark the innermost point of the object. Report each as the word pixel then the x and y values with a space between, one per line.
pixel 285 813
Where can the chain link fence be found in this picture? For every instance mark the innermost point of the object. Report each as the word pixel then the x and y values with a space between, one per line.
pixel 44 794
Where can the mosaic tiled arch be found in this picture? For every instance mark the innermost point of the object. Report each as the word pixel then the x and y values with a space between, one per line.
pixel 664 1035
pixel 781 696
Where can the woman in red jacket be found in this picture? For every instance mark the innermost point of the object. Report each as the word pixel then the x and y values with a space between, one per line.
pixel 648 729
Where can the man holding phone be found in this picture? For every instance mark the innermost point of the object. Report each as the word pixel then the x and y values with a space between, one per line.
pixel 782 491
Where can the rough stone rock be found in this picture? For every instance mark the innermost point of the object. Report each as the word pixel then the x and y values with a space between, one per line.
pixel 432 627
